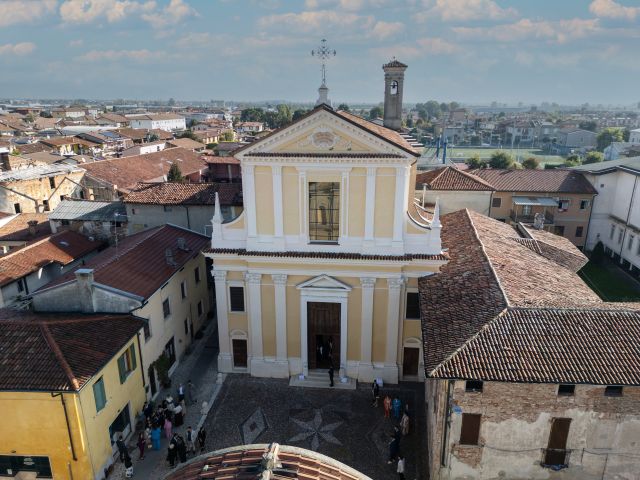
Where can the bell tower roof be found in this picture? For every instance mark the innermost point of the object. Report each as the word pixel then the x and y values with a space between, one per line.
pixel 394 64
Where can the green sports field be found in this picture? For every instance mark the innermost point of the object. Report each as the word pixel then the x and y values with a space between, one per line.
pixel 518 153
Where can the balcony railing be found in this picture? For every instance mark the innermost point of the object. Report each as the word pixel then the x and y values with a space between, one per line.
pixel 555 458
pixel 520 217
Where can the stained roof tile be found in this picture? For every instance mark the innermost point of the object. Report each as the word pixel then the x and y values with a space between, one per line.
pixel 556 180
pixel 451 178
pixel 185 193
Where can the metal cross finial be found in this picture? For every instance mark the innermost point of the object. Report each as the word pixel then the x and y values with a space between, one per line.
pixel 323 52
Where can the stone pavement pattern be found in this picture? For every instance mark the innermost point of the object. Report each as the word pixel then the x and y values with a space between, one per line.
pixel 340 423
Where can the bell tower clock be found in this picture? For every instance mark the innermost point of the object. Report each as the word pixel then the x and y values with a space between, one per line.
pixel 393 85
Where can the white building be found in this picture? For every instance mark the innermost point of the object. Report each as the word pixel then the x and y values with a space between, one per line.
pixel 634 136
pixel 161 121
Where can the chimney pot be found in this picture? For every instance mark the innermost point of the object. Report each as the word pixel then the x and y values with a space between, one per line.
pixel 32 227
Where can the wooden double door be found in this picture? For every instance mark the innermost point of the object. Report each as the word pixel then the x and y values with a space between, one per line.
pixel 323 335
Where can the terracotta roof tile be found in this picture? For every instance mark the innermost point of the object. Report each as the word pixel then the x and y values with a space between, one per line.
pixel 327 255
pixel 185 193
pixel 213 159
pixel 125 172
pixel 138 264
pixel 556 248
pixel 187 143
pixel 544 181
pixel 63 248
pixel 17 229
pixel 58 352
pixel 451 178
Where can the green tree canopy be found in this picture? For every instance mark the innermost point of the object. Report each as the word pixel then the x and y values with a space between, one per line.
pixel 572 161
pixel 376 112
pixel 344 106
pixel 298 113
pixel 188 134
pixel 252 115
pixel 174 175
pixel 474 161
pixel 590 125
pixel 227 136
pixel 609 135
pixel 530 163
pixel 593 157
pixel 429 109
pixel 501 160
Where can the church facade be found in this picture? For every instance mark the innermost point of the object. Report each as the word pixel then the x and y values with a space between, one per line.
pixel 322 266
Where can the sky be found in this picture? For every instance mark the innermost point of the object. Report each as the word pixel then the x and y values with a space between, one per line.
pixel 470 51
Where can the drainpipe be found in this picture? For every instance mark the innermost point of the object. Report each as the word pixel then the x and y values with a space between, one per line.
pixel 447 422
pixel 586 235
pixel 624 233
pixel 66 417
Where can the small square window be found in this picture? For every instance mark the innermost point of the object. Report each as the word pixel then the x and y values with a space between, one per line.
pixel 566 390
pixel 613 391
pixel 166 308
pixel 413 305
pixel 52 182
pixel 584 204
pixel 473 386
pixel 236 299
pixel 17 208
pixel 496 202
pixel 579 231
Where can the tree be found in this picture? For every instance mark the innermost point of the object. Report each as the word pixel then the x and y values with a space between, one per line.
pixel 429 110
pixel 172 102
pixel 572 161
pixel 597 255
pixel 453 106
pixel 475 162
pixel 376 112
pixel 174 175
pixel 590 125
pixel 530 163
pixel 501 160
pixel 252 115
pixel 188 134
pixel 475 140
pixel 626 133
pixel 298 113
pixel 593 157
pixel 227 136
pixel 211 146
pixel 607 136
pixel 153 137
pixel 344 106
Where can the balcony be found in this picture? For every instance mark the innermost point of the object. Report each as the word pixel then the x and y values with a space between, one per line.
pixel 555 458
pixel 520 215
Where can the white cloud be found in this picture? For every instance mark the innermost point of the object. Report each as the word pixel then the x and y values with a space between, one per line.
pixel 173 13
pixel 420 48
pixel 612 9
pixel 559 31
pixel 316 21
pixel 465 10
pixel 382 30
pixel 349 5
pixel 23 11
pixel 86 11
pixel 76 43
pixel 18 49
pixel 113 55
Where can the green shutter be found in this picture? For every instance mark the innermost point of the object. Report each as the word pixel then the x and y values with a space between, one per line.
pixel 122 369
pixel 99 395
pixel 133 356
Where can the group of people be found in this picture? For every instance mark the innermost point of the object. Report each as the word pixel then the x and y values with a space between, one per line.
pixel 180 446
pixel 394 406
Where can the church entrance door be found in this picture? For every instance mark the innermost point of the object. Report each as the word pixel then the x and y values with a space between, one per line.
pixel 323 335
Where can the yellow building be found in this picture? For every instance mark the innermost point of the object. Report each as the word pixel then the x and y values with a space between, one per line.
pixel 322 266
pixel 69 385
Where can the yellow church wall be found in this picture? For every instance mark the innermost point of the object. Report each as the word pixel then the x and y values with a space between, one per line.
pixel 118 396
pixel 385 200
pixel 357 189
pixel 268 317
pixel 411 328
pixel 237 223
pixel 293 319
pixel 303 143
pixel 34 424
pixel 264 200
pixel 380 301
pixel 291 201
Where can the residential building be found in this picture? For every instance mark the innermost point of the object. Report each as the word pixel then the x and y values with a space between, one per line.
pixel 618 149
pixel 68 145
pixel 103 221
pixel 112 119
pixel 161 121
pixel 110 179
pixel 249 127
pixel 207 136
pixel 26 269
pixel 158 275
pixel 143 148
pixel 634 136
pixel 16 231
pixel 575 139
pixel 139 135
pixel 528 371
pixel 327 253
pixel 106 143
pixel 455 188
pixel 40 188
pixel 69 404
pixel 223 169
pixel 560 198
pixel 68 112
pixel 187 143
pixel 615 216
pixel 189 205
pixel 226 149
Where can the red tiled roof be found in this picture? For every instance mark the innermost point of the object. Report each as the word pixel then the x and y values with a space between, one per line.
pixel 544 181
pixel 185 193
pixel 246 462
pixel 326 255
pixel 58 352
pixel 138 264
pixel 556 248
pixel 125 172
pixel 492 272
pixel 211 159
pixel 17 229
pixel 187 143
pixel 63 248
pixel 450 178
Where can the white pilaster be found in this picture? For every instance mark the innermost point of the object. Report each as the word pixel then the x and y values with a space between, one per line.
pixel 370 204
pixel 278 227
pixel 254 305
pixel 304 207
pixel 281 369
pixel 394 286
pixel 400 204
pixel 249 195
pixel 365 367
pixel 344 206
pixel 225 362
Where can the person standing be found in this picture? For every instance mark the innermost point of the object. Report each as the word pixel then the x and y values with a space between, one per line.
pixel 394 448
pixel 387 406
pixel 375 393
pixel 331 375
pixel 400 469
pixel 190 438
pixel 122 448
pixel 397 405
pixel 182 449
pixel 168 428
pixel 202 439
pixel 142 443
pixel 171 454
pixel 404 424
pixel 155 438
pixel 180 393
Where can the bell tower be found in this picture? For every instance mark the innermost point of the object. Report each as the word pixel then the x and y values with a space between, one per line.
pixel 393 87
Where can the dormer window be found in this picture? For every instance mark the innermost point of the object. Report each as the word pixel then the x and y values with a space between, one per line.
pixel 324 212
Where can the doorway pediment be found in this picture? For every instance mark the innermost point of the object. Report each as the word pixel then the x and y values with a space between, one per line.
pixel 324 283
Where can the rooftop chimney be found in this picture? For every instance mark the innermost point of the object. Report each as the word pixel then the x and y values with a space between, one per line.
pixel 84 279
pixel 168 254
pixel 182 244
pixel 393 88
pixel 538 221
pixel 32 227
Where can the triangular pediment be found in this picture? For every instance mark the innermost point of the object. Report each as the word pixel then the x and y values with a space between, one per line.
pixel 326 132
pixel 324 282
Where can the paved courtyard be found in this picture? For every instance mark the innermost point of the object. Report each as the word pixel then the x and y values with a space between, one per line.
pixel 338 423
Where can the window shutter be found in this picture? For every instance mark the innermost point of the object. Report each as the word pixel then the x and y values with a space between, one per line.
pixel 122 369
pixel 133 356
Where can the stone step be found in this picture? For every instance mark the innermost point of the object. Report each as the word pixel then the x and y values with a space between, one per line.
pixel 320 379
